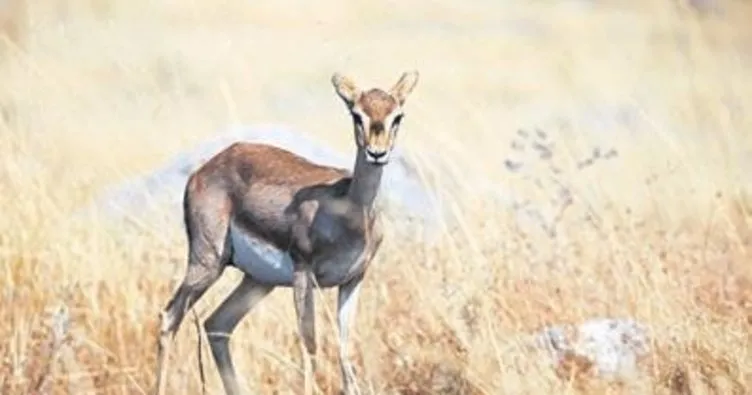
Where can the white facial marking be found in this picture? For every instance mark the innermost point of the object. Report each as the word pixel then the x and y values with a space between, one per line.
pixel 382 157
pixel 389 121
pixel 261 260
pixel 365 121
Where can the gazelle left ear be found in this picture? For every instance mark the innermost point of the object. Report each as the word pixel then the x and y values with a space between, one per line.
pixel 402 89
pixel 346 88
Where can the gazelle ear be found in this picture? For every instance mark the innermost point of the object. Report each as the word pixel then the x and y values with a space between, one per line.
pixel 401 90
pixel 346 88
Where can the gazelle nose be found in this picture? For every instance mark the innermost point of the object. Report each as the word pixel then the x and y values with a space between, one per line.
pixel 376 154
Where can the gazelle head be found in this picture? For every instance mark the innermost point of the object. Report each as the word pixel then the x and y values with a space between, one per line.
pixel 376 114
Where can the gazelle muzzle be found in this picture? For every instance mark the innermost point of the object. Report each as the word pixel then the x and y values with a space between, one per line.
pixel 378 156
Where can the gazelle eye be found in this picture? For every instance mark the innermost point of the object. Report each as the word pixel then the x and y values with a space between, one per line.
pixel 357 119
pixel 396 122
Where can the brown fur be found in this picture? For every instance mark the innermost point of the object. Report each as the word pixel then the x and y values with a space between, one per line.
pixel 377 104
pixel 259 182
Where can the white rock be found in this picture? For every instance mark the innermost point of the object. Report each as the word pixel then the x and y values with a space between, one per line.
pixel 614 346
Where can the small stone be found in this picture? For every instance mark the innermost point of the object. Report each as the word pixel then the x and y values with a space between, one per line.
pixel 609 348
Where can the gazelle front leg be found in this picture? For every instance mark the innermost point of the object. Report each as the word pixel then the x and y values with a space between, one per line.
pixel 304 309
pixel 347 303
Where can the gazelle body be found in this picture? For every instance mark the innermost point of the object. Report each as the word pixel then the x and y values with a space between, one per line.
pixel 285 221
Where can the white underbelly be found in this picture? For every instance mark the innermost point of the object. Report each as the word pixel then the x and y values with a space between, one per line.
pixel 259 259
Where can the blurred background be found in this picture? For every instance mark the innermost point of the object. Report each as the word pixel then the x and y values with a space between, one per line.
pixel 643 104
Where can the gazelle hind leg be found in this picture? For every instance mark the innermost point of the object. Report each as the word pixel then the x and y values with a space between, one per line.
pixel 208 254
pixel 220 325
pixel 197 280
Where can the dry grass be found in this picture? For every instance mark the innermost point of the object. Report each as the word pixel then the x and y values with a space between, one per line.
pixel 101 90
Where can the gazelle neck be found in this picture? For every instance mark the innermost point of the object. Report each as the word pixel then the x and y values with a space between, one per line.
pixel 365 181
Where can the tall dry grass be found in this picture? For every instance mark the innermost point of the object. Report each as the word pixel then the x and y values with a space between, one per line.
pixel 103 90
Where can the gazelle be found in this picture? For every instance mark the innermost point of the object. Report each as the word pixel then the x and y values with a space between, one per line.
pixel 285 221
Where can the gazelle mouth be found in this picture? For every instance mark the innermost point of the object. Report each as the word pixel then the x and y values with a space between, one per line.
pixel 377 157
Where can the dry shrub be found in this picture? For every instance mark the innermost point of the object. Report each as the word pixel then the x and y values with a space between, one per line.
pixel 694 369
pixel 430 359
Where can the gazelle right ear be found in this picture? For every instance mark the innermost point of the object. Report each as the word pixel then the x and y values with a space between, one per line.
pixel 402 89
pixel 346 88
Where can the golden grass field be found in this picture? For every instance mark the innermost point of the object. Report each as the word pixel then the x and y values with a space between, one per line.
pixel 96 91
